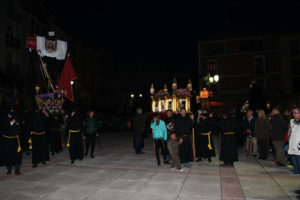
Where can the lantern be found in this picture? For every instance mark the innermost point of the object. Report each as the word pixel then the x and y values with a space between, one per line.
pixel 37 89
pixel 189 85
pixel 152 91
pixel 165 88
pixel 204 94
pixel 174 84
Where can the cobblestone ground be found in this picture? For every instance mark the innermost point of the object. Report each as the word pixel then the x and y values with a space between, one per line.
pixel 117 173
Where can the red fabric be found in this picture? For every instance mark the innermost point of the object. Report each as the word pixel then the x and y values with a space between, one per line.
pixel 286 137
pixel 68 74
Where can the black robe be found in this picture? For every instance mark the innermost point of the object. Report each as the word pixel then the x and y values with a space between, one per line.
pixel 75 137
pixel 183 129
pixel 229 150
pixel 25 133
pixel 56 143
pixel 204 138
pixel 10 146
pixel 38 127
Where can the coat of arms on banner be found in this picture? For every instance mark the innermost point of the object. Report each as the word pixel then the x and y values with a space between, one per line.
pixel 50 45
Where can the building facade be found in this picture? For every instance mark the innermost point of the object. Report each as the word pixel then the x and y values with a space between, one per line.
pixel 271 61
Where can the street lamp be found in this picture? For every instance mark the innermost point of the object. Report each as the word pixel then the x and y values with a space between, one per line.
pixel 141 95
pixel 216 78
pixel 132 95
pixel 72 82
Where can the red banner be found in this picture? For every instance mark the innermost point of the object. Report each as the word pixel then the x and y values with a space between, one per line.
pixel 31 42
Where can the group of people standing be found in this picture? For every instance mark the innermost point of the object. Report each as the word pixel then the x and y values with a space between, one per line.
pixel 183 137
pixel 277 132
pixel 41 133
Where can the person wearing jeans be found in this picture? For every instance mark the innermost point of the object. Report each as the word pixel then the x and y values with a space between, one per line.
pixel 160 135
pixel 294 141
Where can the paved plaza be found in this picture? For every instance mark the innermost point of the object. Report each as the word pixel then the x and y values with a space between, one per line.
pixel 117 173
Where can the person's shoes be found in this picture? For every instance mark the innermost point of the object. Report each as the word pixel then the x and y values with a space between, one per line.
pixel 247 155
pixel 44 162
pixel 34 166
pixel 52 153
pixel 230 165
pixel 290 166
pixel 198 160
pixel 254 156
pixel 224 165
pixel 141 152
pixel 260 157
pixel 17 172
pixel 209 160
pixel 86 154
pixel 92 156
pixel 172 168
pixel 72 161
pixel 8 172
pixel 280 164
pixel 179 170
pixel 167 162
pixel 186 165
pixel 297 191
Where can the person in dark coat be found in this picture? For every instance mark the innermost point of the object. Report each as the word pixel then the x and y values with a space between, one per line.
pixel 183 130
pixel 38 139
pixel 10 146
pixel 279 128
pixel 56 143
pixel 262 134
pixel 139 124
pixel 251 142
pixel 169 121
pixel 75 136
pixel 204 140
pixel 228 128
pixel 91 125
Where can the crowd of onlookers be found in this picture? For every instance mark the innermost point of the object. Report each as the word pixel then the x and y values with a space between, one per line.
pixel 274 135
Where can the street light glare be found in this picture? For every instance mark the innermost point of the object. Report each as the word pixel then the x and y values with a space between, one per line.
pixel 211 79
pixel 132 95
pixel 72 82
pixel 216 78
pixel 141 95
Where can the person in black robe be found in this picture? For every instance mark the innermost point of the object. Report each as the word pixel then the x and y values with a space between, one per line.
pixel 10 146
pixel 204 138
pixel 183 128
pixel 75 136
pixel 24 132
pixel 56 143
pixel 229 152
pixel 38 139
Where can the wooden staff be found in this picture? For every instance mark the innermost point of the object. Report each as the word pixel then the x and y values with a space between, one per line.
pixel 194 149
pixel 46 73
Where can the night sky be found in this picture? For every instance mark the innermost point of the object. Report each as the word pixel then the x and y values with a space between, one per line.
pixel 167 32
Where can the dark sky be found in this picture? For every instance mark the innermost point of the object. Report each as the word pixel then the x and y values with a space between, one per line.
pixel 149 31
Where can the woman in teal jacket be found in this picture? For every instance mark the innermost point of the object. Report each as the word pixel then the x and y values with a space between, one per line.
pixel 160 135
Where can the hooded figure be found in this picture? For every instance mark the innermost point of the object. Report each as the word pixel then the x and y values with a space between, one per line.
pixel 75 136
pixel 10 147
pixel 38 125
